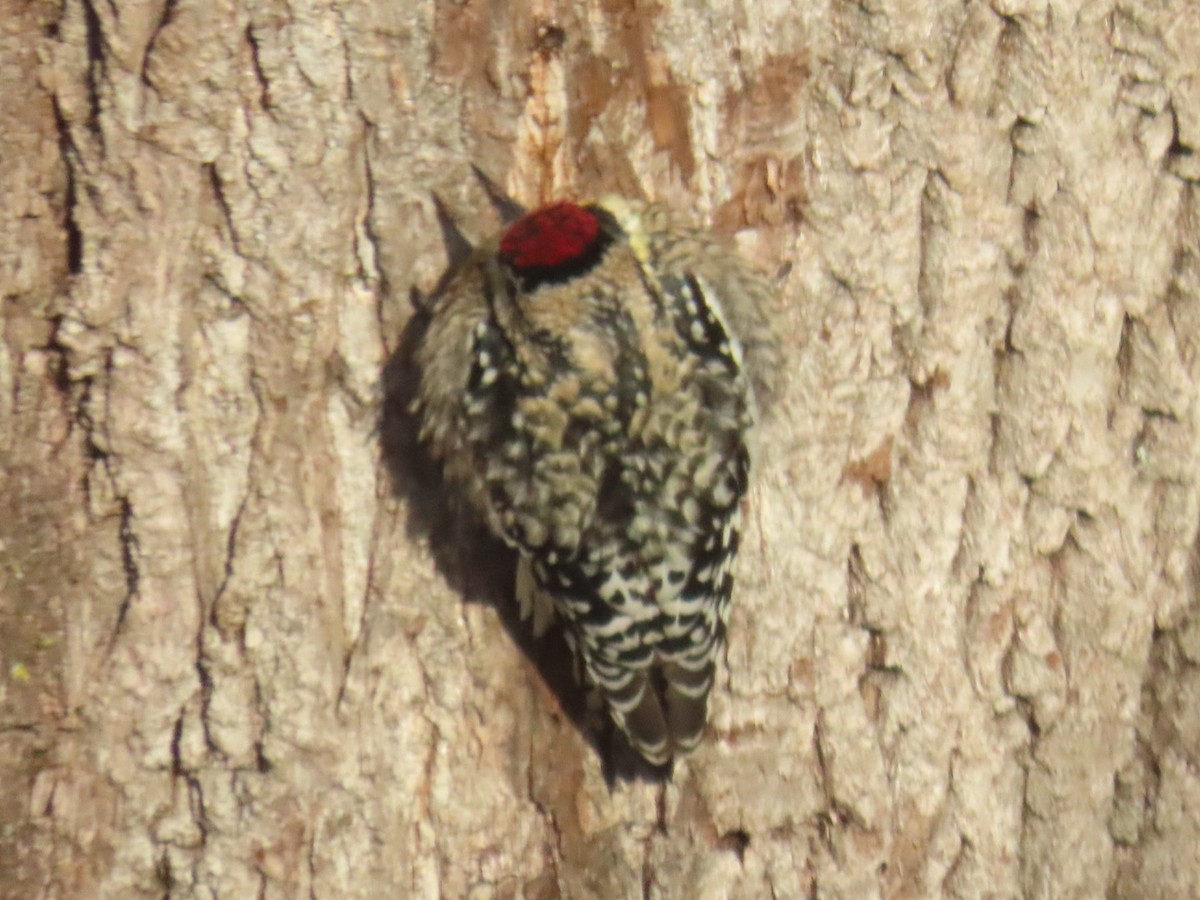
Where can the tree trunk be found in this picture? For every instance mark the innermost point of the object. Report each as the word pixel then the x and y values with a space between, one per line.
pixel 240 657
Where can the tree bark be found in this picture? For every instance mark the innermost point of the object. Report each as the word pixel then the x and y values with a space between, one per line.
pixel 242 654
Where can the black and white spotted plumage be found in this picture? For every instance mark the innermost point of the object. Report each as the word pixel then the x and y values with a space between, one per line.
pixel 583 382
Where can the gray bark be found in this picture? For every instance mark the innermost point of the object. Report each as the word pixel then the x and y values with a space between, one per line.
pixel 964 657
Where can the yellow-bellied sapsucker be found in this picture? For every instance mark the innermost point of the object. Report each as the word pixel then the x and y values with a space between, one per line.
pixel 583 382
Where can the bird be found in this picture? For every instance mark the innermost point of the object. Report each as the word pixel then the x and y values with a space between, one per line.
pixel 587 380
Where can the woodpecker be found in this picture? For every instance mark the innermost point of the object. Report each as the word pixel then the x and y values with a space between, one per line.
pixel 585 385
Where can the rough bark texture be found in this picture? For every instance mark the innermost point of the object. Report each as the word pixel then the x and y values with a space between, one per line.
pixel 965 649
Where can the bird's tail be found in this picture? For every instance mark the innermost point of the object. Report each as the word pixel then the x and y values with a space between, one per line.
pixel 662 710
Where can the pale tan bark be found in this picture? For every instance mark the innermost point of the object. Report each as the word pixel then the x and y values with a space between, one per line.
pixel 965 651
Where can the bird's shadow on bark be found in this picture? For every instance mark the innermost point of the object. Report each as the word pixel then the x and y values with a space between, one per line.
pixel 478 566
